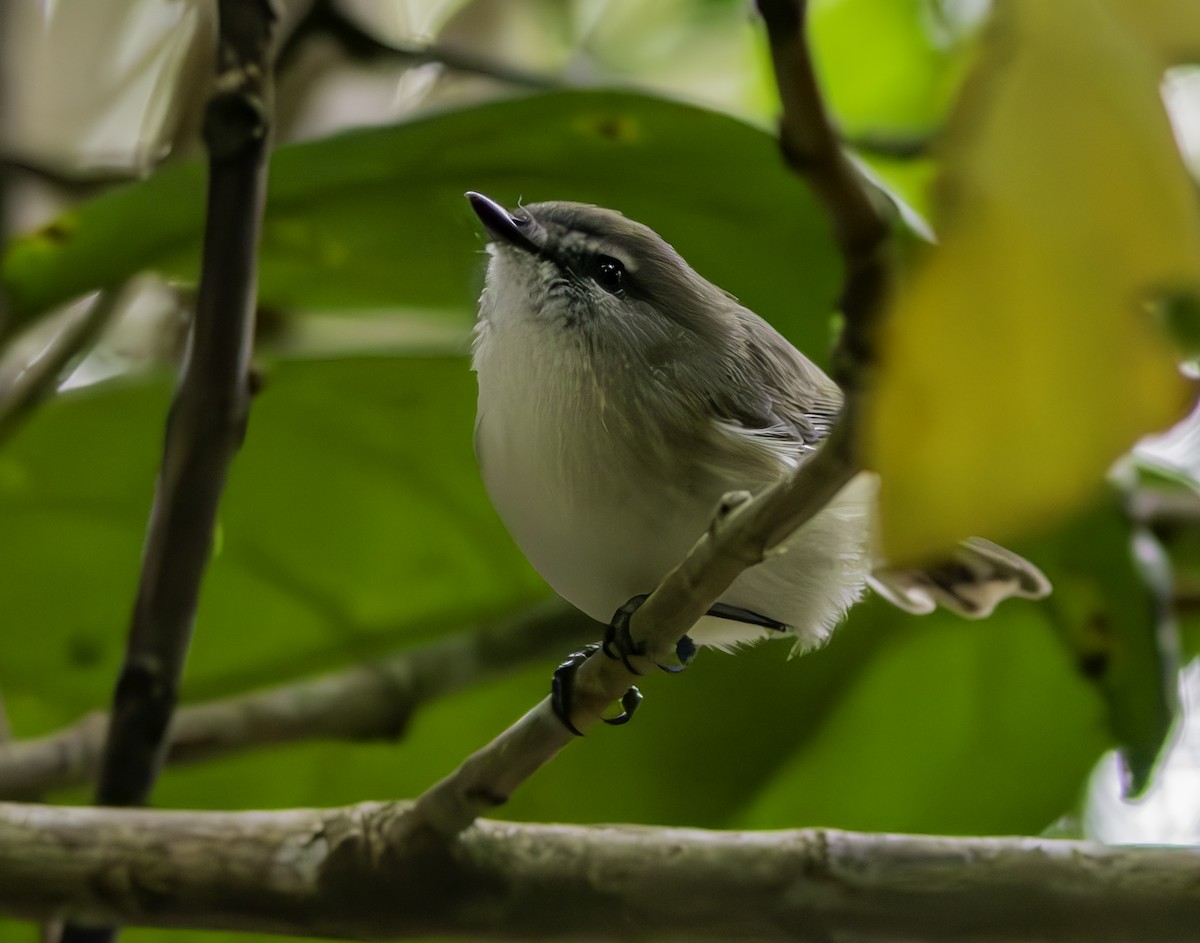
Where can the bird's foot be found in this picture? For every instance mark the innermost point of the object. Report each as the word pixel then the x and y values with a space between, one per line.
pixel 685 651
pixel 562 692
pixel 619 643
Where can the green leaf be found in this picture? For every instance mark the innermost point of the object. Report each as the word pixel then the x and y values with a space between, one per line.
pixel 952 727
pixel 355 523
pixel 376 218
pixel 354 519
pixel 1111 605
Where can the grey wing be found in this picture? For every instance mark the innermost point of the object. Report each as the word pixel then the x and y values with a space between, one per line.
pixel 779 401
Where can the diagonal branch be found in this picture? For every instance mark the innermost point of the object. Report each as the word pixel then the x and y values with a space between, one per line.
pixel 42 375
pixel 746 529
pixel 364 702
pixel 858 211
pixel 335 873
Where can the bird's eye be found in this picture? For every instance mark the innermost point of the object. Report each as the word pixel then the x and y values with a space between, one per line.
pixel 609 274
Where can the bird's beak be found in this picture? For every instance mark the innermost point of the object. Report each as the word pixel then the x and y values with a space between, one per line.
pixel 503 225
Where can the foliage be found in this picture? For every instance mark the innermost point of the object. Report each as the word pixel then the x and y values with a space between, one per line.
pixel 1064 209
pixel 355 523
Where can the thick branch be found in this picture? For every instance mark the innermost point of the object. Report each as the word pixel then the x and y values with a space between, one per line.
pixel 746 529
pixel 364 702
pixel 207 420
pixel 334 873
pixel 208 416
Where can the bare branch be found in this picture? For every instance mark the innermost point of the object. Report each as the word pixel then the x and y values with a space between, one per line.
pixel 364 702
pixel 1162 509
pixel 6 87
pixel 859 213
pixel 208 417
pixel 207 420
pixel 326 19
pixel 41 376
pixel 747 528
pixel 334 873
pixel 901 147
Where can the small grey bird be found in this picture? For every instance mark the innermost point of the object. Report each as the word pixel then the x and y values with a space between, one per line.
pixel 621 395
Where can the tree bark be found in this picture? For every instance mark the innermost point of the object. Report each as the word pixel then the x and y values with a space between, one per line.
pixel 334 873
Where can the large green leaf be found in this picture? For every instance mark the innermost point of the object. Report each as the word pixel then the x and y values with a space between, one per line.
pixel 355 522
pixel 376 218
pixel 954 727
pixel 354 518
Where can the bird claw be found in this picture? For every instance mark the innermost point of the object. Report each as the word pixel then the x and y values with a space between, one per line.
pixel 617 636
pixel 618 645
pixel 685 651
pixel 562 692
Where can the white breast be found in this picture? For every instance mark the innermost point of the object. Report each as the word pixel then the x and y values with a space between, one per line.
pixel 556 473
pixel 560 475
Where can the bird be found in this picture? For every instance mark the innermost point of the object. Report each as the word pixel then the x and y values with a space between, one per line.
pixel 622 395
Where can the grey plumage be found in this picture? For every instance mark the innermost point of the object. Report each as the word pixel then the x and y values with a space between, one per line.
pixel 621 394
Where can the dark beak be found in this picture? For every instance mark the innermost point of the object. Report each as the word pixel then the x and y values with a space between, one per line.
pixel 503 225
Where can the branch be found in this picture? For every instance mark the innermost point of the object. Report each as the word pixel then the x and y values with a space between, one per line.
pixel 207 420
pixel 6 86
pixel 326 19
pixel 367 701
pixel 859 212
pixel 208 416
pixel 333 873
pixel 901 147
pixel 746 529
pixel 42 375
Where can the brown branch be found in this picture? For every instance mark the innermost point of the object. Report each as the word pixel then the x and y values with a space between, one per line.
pixel 859 212
pixel 335 873
pixel 208 416
pixel 364 702
pixel 6 92
pixel 746 529
pixel 900 147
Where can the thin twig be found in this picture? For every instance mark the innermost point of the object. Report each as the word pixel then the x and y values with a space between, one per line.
pixel 42 375
pixel 334 873
pixel 6 87
pixel 858 211
pixel 364 702
pixel 1163 509
pixel 891 146
pixel 326 19
pixel 747 528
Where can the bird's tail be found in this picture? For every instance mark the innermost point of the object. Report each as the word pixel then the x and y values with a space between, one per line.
pixel 977 576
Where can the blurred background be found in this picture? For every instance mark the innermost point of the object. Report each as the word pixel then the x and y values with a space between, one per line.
pixel 355 525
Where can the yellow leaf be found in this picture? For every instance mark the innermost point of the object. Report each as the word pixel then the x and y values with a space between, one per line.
pixel 1171 28
pixel 1020 356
